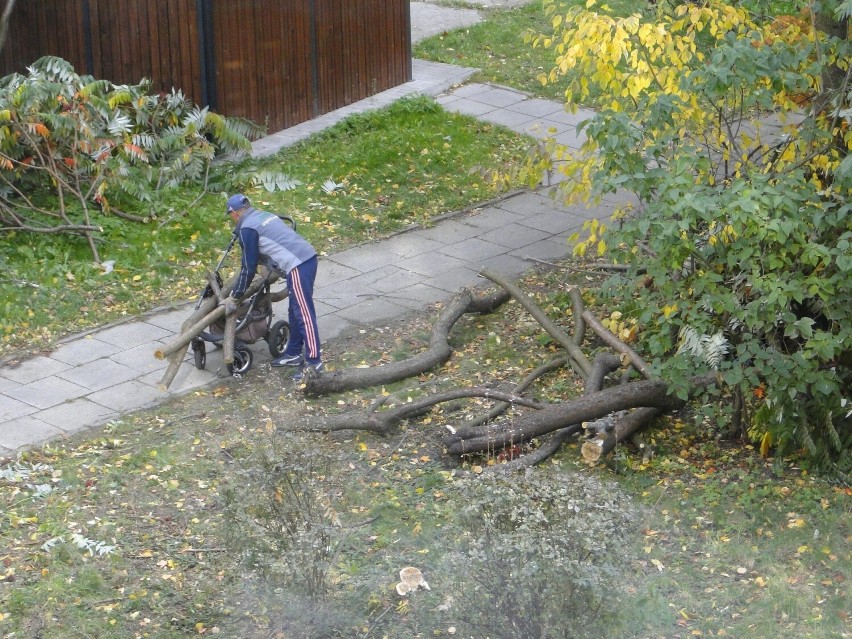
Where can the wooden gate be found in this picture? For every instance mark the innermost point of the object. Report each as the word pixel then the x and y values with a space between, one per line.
pixel 277 62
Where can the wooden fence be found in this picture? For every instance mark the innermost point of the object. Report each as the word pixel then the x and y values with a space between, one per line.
pixel 277 62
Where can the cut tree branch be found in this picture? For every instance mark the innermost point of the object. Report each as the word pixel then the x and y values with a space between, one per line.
pixel 579 361
pixel 383 422
pixel 644 393
pixel 437 353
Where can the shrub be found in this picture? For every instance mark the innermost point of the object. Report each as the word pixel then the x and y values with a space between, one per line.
pixel 734 138
pixel 73 147
pixel 540 557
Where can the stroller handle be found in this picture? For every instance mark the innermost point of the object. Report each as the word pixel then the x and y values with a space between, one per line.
pixel 284 218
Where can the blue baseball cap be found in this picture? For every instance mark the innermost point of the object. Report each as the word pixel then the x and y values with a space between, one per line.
pixel 237 202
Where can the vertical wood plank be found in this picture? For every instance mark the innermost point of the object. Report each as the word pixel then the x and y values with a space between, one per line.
pixel 261 49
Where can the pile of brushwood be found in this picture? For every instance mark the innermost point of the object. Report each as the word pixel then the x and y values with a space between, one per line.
pixel 604 414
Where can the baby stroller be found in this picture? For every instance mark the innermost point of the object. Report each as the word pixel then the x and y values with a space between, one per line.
pixel 254 322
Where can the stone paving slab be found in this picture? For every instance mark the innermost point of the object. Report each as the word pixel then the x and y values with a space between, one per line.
pixel 332 326
pixel 554 222
pixel 141 359
pixel 514 236
pixel 414 243
pixel 47 392
pixel 419 295
pixel 511 119
pixel 371 310
pixel 455 279
pixel 393 278
pixel 76 415
pixel 83 351
pixel 536 107
pixel 546 250
pixel 133 334
pixel 345 294
pixel 329 271
pixel 27 431
pixel 449 231
pixel 509 264
pixel 11 408
pixel 33 369
pixel 172 320
pixel 470 107
pixel 7 385
pixel 99 374
pixel 499 97
pixel 570 138
pixel 428 266
pixel 492 217
pixel 474 250
pixel 362 258
pixel 130 395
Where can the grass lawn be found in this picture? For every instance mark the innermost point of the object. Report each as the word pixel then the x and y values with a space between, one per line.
pixel 213 514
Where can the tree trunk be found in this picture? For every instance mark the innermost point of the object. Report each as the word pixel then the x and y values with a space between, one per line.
pixel 645 393
pixel 439 351
pixel 593 449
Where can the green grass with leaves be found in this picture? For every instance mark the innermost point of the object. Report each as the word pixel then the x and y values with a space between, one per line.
pixel 171 522
pixel 496 47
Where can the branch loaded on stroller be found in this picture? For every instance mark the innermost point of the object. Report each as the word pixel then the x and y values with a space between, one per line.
pixel 254 322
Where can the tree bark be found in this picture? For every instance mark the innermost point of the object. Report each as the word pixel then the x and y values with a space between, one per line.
pixel 603 364
pixel 383 422
pixel 437 353
pixel 644 393
pixel 593 449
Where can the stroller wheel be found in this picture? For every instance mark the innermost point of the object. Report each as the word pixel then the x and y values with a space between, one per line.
pixel 278 337
pixel 199 352
pixel 243 358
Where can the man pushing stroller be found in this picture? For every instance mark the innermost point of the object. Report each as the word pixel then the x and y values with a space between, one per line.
pixel 266 239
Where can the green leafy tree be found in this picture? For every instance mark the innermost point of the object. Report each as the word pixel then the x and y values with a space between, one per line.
pixel 73 148
pixel 734 138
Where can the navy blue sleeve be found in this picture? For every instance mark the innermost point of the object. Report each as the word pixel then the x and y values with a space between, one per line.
pixel 250 245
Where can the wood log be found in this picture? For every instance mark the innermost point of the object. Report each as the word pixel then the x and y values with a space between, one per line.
pixel 208 311
pixel 603 364
pixel 190 333
pixel 437 353
pixel 229 338
pixel 644 393
pixel 382 422
pixel 206 314
pixel 593 449
pixel 176 357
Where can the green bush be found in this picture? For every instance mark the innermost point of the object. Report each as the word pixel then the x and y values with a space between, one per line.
pixel 73 148
pixel 541 556
pixel 734 137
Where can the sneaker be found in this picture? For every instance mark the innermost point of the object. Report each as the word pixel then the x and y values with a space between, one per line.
pixel 286 360
pixel 308 370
